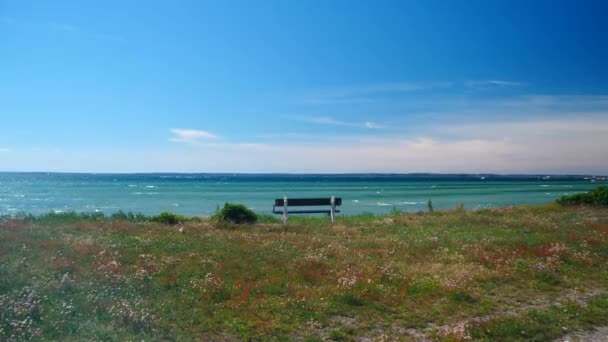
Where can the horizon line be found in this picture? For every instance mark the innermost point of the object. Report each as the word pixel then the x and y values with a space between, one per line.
pixel 313 173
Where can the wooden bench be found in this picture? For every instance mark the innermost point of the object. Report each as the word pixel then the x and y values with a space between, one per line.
pixel 285 203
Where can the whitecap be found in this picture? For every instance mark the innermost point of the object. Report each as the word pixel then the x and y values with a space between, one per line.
pixel 150 186
pixel 175 204
pixel 356 201
pixel 409 203
pixel 382 204
pixel 144 193
pixel 132 185
pixel 545 186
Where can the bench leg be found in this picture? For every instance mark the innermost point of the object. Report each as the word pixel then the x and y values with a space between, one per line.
pixel 285 210
pixel 332 214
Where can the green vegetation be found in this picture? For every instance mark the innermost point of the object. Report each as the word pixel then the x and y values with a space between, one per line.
pixel 168 218
pixel 517 273
pixel 236 213
pixel 597 197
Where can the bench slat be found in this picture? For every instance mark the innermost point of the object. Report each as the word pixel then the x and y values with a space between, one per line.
pixel 302 202
pixel 306 212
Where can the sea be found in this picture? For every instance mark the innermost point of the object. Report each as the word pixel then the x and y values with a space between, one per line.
pixel 202 194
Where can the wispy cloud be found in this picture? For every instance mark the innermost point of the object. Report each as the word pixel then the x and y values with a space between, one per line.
pixel 375 92
pixel 190 136
pixel 73 29
pixel 63 27
pixel 565 146
pixel 365 93
pixel 493 83
pixel 567 128
pixel 555 146
pixel 333 122
pixel 372 125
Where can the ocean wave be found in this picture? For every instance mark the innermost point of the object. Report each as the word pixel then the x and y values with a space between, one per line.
pixel 383 204
pixel 150 186
pixel 144 193
pixel 355 201
pixel 409 203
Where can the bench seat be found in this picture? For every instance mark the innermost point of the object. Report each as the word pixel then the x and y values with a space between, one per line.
pixel 312 211
pixel 282 206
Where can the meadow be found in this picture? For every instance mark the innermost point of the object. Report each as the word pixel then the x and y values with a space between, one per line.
pixel 516 273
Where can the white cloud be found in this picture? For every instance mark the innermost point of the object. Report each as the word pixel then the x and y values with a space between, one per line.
pixel 63 27
pixel 191 136
pixel 554 146
pixel 558 146
pixel 496 83
pixel 566 129
pixel 334 122
pixel 366 93
pixel 372 125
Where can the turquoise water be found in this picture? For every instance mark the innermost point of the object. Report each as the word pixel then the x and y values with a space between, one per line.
pixel 200 194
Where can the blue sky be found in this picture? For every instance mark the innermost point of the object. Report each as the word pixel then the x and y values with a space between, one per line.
pixel 304 86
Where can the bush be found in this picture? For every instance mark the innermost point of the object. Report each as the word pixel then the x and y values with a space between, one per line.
pixel 129 216
pixel 168 218
pixel 596 197
pixel 236 213
pixel 429 204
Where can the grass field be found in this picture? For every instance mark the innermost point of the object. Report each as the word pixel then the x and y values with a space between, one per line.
pixel 522 273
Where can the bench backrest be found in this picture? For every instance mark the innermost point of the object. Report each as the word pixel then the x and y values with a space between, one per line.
pixel 304 202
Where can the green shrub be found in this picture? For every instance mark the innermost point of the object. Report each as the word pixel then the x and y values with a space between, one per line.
pixel 236 213
pixel 395 212
pixel 596 197
pixel 459 206
pixel 130 216
pixel 429 204
pixel 168 218
pixel 63 217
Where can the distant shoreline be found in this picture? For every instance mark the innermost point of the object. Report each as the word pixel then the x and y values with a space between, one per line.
pixel 363 175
